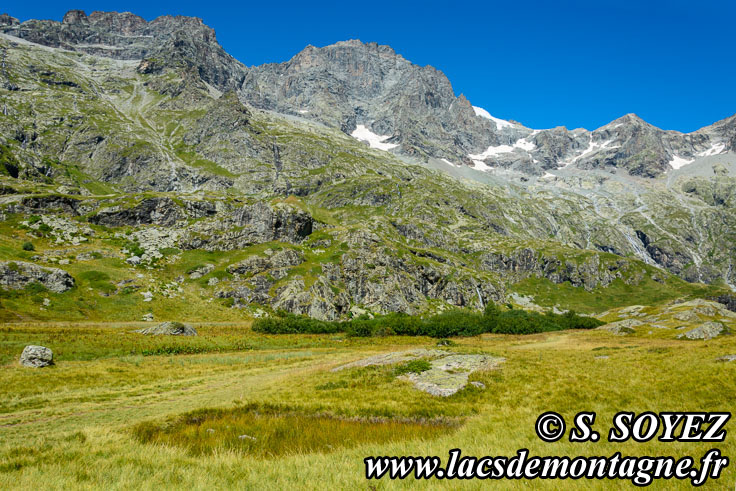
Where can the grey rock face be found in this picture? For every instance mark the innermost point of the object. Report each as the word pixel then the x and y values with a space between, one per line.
pixel 169 329
pixel 259 264
pixel 17 275
pixel 156 211
pixel 727 358
pixel 527 262
pixel 351 83
pixel 248 225
pixel 36 356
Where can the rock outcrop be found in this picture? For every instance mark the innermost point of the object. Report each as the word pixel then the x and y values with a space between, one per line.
pixel 169 329
pixel 706 331
pixel 17 275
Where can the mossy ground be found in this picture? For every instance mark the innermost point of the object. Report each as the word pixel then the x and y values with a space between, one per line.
pixel 73 425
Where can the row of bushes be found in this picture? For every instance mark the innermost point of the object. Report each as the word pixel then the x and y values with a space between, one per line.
pixel 447 324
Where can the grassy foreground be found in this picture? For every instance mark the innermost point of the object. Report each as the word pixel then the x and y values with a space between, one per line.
pixel 75 425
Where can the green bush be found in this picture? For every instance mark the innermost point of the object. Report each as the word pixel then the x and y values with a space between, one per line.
pixel 28 246
pixel 448 324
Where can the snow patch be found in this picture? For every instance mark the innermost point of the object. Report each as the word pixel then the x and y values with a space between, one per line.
pixel 500 123
pixel 522 144
pixel 481 166
pixel 593 147
pixel 449 163
pixel 714 150
pixel 678 162
pixel 375 141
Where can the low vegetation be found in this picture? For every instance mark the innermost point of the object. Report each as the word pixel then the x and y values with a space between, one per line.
pixel 447 324
pixel 268 431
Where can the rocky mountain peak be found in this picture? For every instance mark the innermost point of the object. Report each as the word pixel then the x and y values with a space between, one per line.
pixel 173 41
pixel 7 20
pixel 75 17
pixel 352 84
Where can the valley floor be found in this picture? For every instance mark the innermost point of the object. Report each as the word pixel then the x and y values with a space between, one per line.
pixel 72 425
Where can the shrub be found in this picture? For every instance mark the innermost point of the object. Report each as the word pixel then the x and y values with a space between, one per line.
pixel 295 324
pixel 28 246
pixel 444 325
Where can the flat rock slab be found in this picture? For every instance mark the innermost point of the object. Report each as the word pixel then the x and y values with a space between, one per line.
pixel 449 374
pixel 727 358
pixel 393 357
pixel 36 356
pixel 170 329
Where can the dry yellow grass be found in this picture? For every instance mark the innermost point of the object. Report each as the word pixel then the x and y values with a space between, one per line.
pixel 71 426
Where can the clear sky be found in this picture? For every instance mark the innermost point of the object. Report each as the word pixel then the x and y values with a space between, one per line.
pixel 547 63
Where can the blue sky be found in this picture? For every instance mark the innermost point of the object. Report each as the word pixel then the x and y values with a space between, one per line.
pixel 571 63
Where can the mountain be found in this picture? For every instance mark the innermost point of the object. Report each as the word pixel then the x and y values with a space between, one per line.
pixel 171 41
pixel 345 180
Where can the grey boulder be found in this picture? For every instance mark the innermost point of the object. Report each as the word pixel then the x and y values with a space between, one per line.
pixel 170 329
pixel 36 356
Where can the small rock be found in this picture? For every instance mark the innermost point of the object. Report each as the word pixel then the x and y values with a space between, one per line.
pixel 727 358
pixel 64 261
pixel 602 357
pixel 480 385
pixel 36 356
pixel 247 437
pixel 210 430
pixel 133 261
pixel 147 296
pixel 148 317
pixel 46 302
pixel 201 271
pixel 213 281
